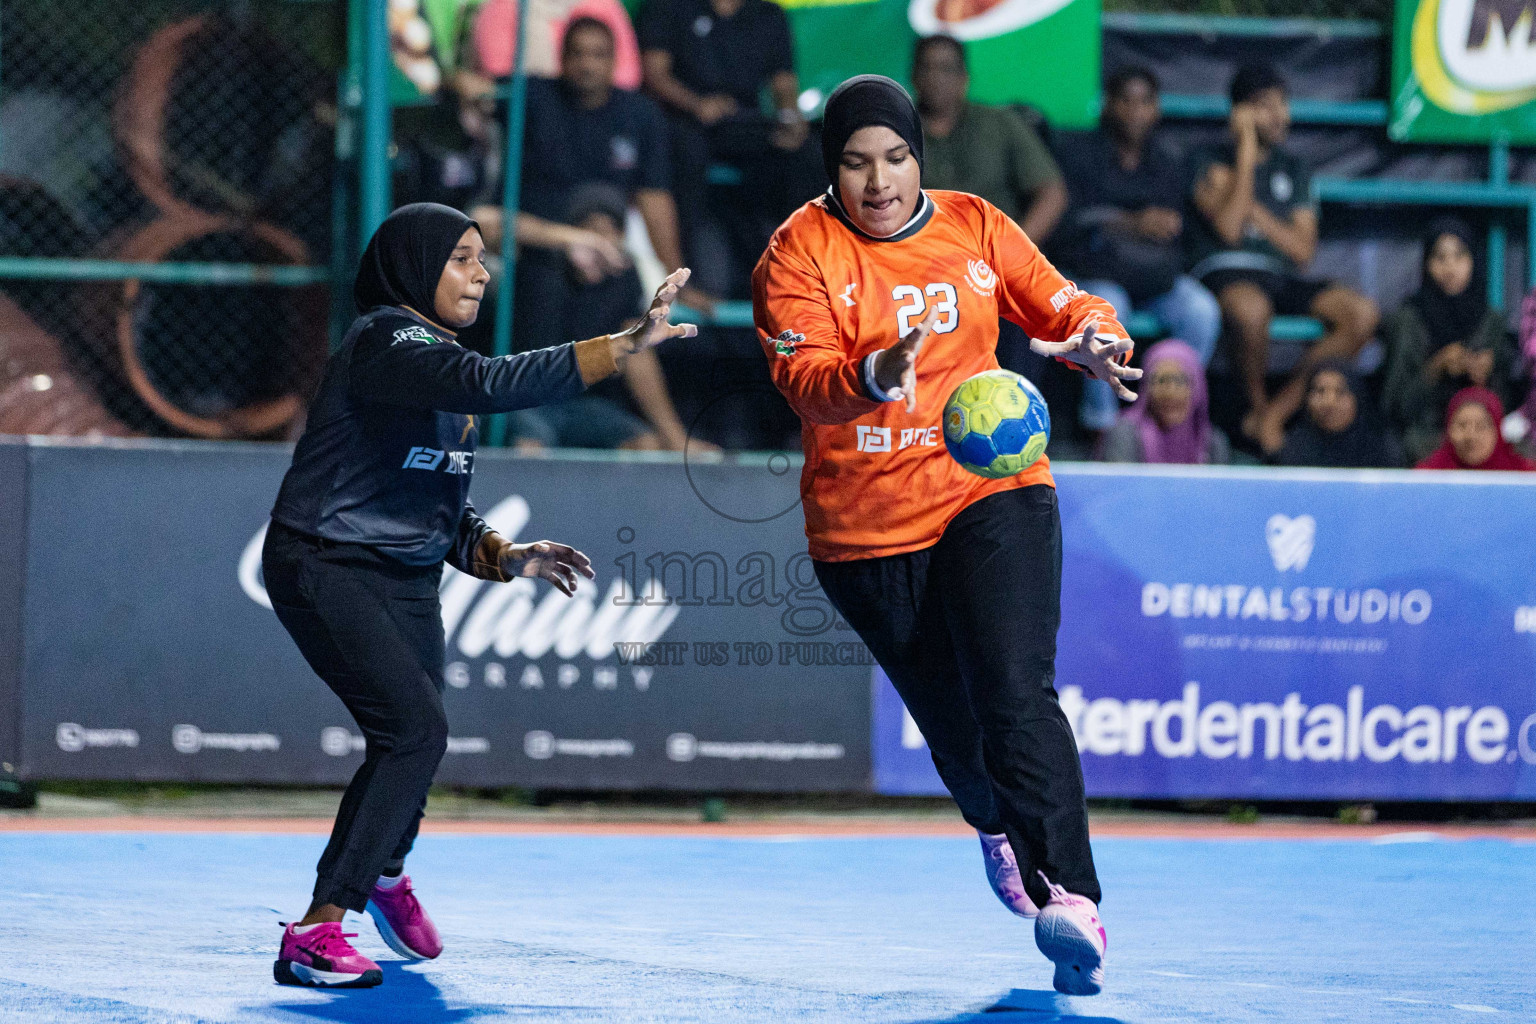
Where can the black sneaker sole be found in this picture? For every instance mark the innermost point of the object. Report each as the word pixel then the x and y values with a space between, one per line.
pixel 282 972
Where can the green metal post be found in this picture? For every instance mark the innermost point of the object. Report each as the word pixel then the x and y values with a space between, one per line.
pixel 1530 246
pixel 1498 174
pixel 511 172
pixel 344 183
pixel 375 200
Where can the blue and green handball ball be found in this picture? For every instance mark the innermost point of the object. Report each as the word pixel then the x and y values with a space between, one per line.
pixel 996 424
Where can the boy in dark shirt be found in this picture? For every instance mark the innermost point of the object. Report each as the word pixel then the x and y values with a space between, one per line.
pixel 707 62
pixel 1125 227
pixel 1255 233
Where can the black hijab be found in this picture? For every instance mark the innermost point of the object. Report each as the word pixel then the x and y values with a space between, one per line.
pixel 406 256
pixel 1450 318
pixel 1361 445
pixel 862 101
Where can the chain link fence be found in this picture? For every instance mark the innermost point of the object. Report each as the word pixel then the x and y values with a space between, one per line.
pixel 166 173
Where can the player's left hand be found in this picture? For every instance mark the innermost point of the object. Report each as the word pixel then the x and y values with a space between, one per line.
pixel 653 328
pixel 1100 358
pixel 548 560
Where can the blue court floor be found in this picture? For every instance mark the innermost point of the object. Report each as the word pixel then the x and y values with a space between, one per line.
pixel 156 927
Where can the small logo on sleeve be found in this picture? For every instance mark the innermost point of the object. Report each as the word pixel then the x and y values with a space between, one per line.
pixel 785 343
pixel 1066 295
pixel 414 333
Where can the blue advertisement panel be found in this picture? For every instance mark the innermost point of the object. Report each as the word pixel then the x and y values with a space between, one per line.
pixel 1287 634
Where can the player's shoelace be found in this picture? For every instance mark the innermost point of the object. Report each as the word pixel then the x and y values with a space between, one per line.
pixel 328 941
pixel 1003 853
pixel 1070 899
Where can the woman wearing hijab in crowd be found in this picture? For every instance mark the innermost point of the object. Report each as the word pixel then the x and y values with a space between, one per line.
pixel 916 554
pixel 1443 339
pixel 1472 439
pixel 374 503
pixel 1171 420
pixel 1336 428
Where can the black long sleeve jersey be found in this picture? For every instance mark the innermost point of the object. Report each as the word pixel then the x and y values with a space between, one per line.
pixel 387 454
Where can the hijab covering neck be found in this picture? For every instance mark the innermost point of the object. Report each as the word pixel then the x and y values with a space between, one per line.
pixel 862 101
pixel 1504 455
pixel 1449 318
pixel 1188 442
pixel 1361 445
pixel 405 258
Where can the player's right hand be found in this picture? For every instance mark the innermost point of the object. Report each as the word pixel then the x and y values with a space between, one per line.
pixel 557 563
pixel 896 367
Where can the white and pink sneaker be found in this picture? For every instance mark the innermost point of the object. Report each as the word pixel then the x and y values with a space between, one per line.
pixel 1003 875
pixel 1070 934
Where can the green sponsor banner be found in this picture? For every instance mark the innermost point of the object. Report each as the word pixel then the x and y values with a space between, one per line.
pixel 1463 71
pixel 1041 52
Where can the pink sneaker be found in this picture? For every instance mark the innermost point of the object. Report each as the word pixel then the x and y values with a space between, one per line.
pixel 1003 875
pixel 322 957
pixel 1069 933
pixel 402 921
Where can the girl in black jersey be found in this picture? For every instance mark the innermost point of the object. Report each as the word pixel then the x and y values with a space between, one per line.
pixel 375 501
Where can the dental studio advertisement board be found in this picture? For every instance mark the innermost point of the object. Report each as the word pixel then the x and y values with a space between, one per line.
pixel 1287 635
pixel 1463 71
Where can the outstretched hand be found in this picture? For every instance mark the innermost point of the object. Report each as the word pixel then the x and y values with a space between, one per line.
pixel 652 329
pixel 548 560
pixel 1099 358
pixel 896 367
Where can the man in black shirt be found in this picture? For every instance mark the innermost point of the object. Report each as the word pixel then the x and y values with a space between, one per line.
pixel 708 61
pixel 1255 233
pixel 1124 231
pixel 580 134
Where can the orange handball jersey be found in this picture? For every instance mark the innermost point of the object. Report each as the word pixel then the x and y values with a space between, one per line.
pixel 877 480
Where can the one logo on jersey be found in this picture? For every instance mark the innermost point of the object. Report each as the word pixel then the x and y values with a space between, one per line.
pixel 413 334
pixel 785 343
pixel 847 296
pixel 431 458
pixel 1060 299
pixel 874 439
pixel 982 278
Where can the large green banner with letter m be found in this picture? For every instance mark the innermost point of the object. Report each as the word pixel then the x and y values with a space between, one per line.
pixel 1464 71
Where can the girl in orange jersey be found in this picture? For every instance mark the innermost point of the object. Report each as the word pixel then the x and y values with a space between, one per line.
pixel 873 302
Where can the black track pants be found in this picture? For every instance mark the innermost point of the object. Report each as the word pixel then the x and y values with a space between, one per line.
pixel 372 628
pixel 966 630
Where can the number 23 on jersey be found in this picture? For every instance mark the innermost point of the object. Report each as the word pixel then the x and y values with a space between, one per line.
pixel 915 304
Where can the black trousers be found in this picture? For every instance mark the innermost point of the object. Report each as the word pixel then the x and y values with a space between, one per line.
pixel 966 630
pixel 372 628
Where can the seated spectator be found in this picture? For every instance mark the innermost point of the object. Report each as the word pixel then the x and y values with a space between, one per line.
pixel 548 24
pixel 1525 415
pixel 707 62
pixel 1255 233
pixel 601 417
pixel 1472 439
pixel 1170 421
pixel 1444 338
pixel 986 151
pixel 580 128
pixel 1124 231
pixel 1336 429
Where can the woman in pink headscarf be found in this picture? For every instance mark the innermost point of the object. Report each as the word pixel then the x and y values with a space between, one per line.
pixel 1171 420
pixel 1472 439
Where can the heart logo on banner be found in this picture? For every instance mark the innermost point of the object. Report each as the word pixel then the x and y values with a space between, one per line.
pixel 1290 540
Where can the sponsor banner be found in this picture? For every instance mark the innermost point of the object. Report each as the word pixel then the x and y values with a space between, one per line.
pixel 1464 71
pixel 1057 39
pixel 13 561
pixel 705 655
pixel 1271 634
